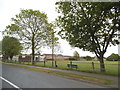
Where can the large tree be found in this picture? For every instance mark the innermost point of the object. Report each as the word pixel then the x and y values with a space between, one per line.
pixel 32 28
pixel 10 47
pixel 91 26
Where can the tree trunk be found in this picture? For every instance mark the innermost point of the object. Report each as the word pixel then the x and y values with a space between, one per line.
pixel 102 65
pixel 52 58
pixel 53 49
pixel 33 56
pixel 33 50
pixel 11 57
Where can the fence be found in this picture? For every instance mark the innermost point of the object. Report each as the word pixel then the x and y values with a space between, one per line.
pixel 111 67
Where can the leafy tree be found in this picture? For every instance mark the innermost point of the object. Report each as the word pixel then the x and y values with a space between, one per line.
pixel 32 27
pixel 91 26
pixel 113 57
pixel 10 47
pixel 53 43
pixel 76 55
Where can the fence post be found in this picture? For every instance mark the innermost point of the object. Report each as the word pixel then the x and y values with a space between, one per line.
pixel 44 63
pixel 93 66
pixel 55 64
pixel 71 63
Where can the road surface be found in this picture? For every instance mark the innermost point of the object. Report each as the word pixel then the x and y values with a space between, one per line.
pixel 13 77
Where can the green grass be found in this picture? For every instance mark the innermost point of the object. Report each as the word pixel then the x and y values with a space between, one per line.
pixel 84 66
pixel 68 75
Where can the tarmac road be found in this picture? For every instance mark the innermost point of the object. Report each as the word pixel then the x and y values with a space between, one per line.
pixel 24 78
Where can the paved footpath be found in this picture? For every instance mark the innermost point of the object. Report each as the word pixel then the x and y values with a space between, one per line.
pixel 113 78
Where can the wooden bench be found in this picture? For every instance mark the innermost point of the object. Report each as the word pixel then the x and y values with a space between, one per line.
pixel 72 66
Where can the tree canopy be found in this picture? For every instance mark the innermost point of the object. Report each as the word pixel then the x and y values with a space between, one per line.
pixel 91 26
pixel 10 47
pixel 32 28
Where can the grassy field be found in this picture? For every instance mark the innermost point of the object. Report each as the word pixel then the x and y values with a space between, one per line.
pixel 84 66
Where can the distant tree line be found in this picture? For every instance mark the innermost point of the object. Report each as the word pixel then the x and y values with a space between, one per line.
pixel 113 57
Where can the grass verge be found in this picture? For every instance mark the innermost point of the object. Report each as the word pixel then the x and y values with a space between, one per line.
pixel 68 75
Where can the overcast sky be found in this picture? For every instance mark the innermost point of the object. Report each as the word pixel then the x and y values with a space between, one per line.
pixel 9 8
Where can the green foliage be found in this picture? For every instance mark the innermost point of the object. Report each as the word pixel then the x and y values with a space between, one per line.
pixel 113 57
pixel 91 26
pixel 10 47
pixel 32 27
pixel 76 55
pixel 53 42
